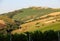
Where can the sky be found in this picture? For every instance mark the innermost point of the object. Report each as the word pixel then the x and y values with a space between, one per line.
pixel 11 5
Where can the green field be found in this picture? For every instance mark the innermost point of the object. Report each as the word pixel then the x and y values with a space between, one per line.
pixel 30 13
pixel 55 27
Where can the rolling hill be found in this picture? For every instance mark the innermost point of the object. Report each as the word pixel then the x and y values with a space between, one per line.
pixel 48 22
pixel 30 13
pixel 33 13
pixel 33 18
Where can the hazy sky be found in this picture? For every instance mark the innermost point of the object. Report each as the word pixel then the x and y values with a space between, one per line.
pixel 8 5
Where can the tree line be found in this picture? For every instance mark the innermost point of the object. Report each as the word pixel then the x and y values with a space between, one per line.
pixel 32 36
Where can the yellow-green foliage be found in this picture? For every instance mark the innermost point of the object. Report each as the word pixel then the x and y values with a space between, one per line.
pixel 6 19
pixel 55 27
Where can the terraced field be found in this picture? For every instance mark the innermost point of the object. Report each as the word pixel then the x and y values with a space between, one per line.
pixel 33 13
pixel 46 23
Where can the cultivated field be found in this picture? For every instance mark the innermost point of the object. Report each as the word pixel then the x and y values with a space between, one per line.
pixel 48 22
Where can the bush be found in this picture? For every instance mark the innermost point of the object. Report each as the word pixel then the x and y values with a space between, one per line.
pixel 19 37
pixel 32 36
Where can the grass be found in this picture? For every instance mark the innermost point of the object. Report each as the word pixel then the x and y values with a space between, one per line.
pixel 55 27
pixel 38 25
pixel 26 14
pixel 29 13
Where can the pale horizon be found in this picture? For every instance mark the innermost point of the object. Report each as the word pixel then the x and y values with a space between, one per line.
pixel 11 5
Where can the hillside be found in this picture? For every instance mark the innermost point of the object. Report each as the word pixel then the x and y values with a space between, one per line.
pixel 31 19
pixel 55 27
pixel 30 13
pixel 48 22
pixel 33 13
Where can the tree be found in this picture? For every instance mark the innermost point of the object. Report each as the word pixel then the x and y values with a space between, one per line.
pixel 37 36
pixel 19 37
pixel 1 37
pixel 50 36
